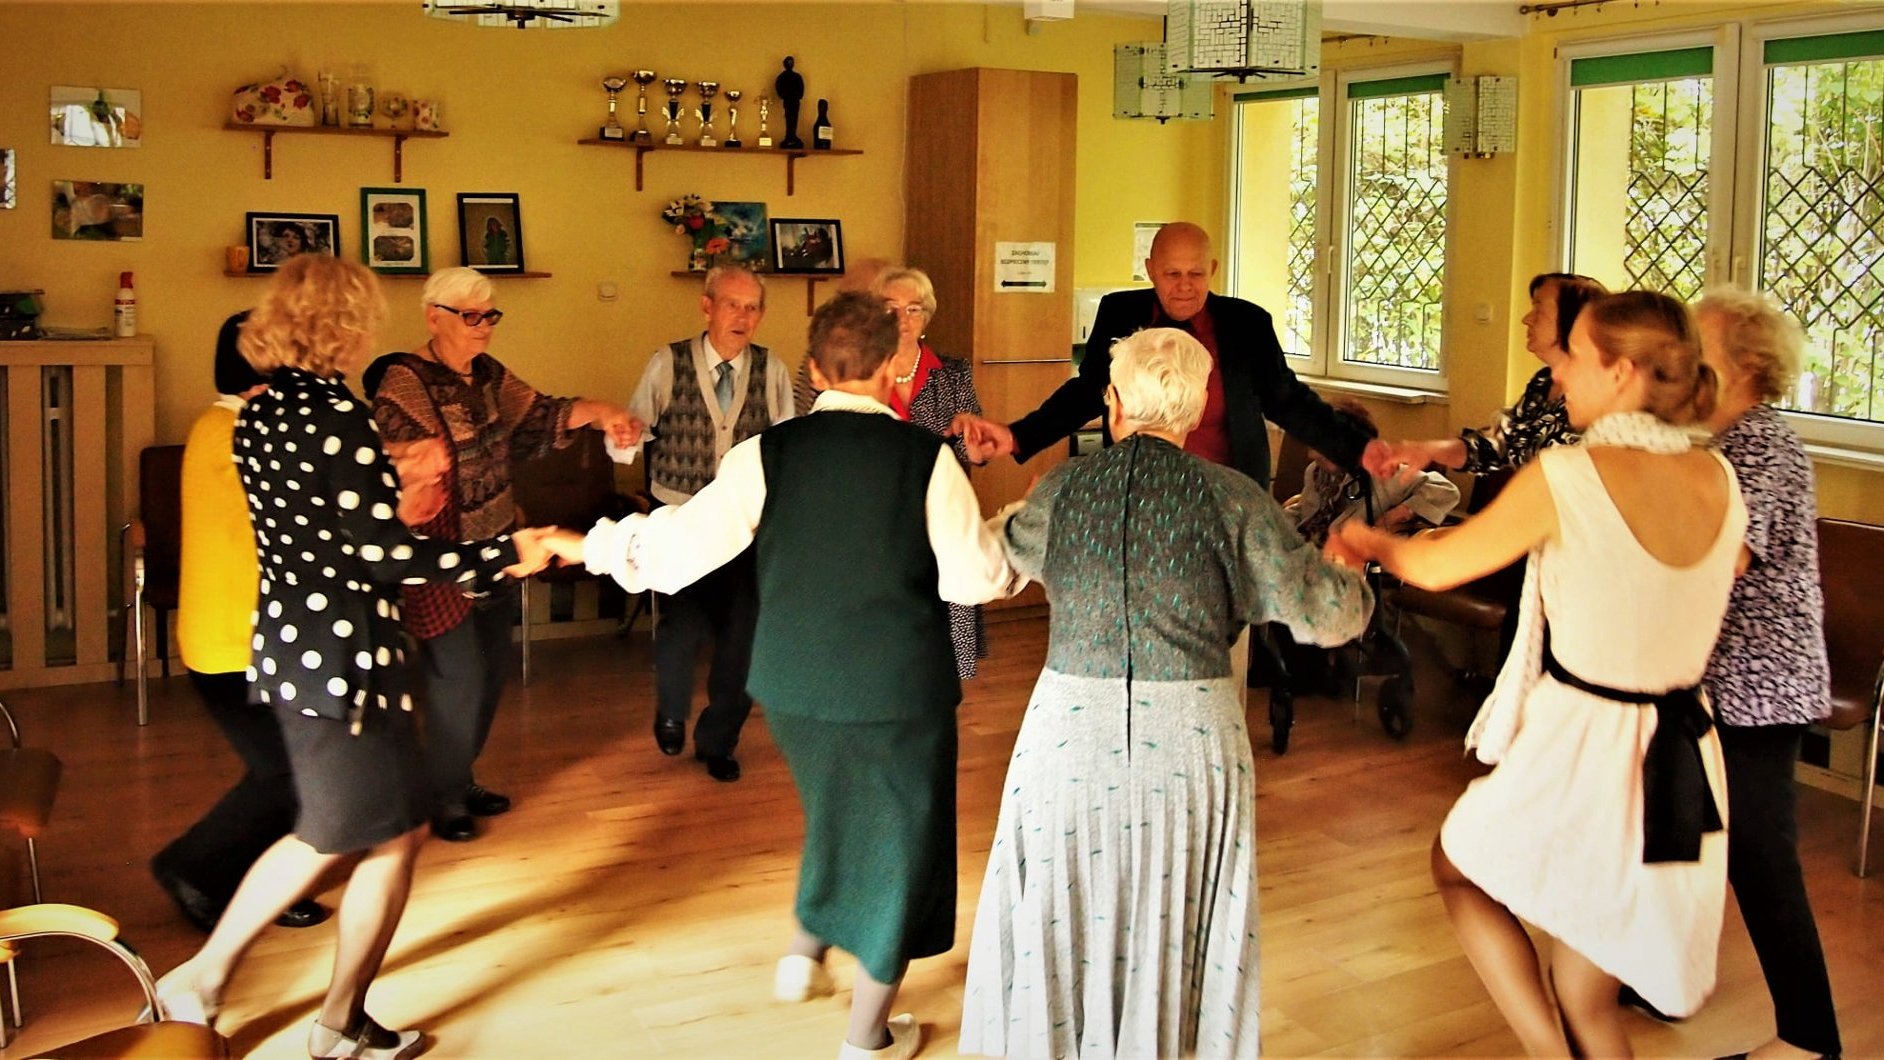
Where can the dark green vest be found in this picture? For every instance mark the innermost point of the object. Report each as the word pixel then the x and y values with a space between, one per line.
pixel 850 626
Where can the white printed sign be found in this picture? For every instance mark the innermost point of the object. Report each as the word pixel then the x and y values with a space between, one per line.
pixel 1024 267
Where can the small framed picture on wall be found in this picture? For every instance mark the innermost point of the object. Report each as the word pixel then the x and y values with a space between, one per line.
pixel 807 245
pixel 392 221
pixel 276 237
pixel 490 231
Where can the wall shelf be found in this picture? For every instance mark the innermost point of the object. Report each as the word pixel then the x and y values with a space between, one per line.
pixel 791 157
pixel 399 138
pixel 812 280
pixel 246 274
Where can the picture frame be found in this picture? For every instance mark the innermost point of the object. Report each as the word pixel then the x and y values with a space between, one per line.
pixel 275 237
pixel 97 210
pixel 85 116
pixel 808 246
pixel 9 178
pixel 748 235
pixel 393 231
pixel 490 231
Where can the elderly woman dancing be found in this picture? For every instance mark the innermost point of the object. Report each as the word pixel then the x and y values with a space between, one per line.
pixel 1768 677
pixel 1118 916
pixel 323 499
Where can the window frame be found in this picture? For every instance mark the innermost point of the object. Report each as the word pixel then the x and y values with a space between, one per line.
pixel 1322 362
pixel 1331 330
pixel 1736 200
pixel 1751 131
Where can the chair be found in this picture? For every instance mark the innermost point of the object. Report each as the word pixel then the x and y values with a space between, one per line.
pixel 29 779
pixel 1853 581
pixel 570 487
pixel 154 555
pixel 151 1035
pixel 1291 467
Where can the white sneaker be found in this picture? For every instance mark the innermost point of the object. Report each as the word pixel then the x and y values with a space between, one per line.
pixel 905 1041
pixel 799 978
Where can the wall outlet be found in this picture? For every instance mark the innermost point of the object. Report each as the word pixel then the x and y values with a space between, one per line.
pixel 605 292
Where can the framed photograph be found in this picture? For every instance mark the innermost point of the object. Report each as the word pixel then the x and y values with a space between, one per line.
pixel 82 116
pixel 807 245
pixel 748 237
pixel 276 237
pixel 392 223
pixel 95 209
pixel 490 231
pixel 9 197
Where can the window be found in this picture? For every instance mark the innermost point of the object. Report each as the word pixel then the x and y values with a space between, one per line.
pixel 1759 162
pixel 1352 269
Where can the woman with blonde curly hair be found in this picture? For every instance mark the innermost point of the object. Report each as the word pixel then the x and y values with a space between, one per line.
pixel 1768 679
pixel 322 497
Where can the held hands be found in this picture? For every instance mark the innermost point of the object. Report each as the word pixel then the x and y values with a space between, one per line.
pixel 565 545
pixel 622 429
pixel 984 438
pixel 1353 544
pixel 422 466
pixel 532 554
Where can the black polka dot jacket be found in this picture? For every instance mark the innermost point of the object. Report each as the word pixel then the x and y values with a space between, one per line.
pixel 323 499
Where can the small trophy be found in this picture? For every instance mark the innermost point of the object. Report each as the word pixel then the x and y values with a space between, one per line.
pixel 765 109
pixel 675 86
pixel 612 130
pixel 732 118
pixel 705 112
pixel 643 78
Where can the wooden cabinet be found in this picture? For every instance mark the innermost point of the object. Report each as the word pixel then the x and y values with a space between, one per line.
pixel 991 160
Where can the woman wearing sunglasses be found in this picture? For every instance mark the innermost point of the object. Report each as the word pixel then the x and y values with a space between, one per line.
pixel 451 389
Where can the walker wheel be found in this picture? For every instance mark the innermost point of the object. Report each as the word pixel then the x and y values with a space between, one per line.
pixel 1281 719
pixel 1396 707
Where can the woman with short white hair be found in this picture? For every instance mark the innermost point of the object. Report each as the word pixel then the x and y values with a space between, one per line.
pixel 494 418
pixel 1124 862
pixel 1768 677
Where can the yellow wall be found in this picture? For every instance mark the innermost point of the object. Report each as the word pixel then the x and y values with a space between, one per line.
pixel 515 104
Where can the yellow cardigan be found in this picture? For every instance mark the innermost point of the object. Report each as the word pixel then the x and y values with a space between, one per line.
pixel 216 588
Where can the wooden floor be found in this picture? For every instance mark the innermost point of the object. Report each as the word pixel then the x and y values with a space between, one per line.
pixel 632 907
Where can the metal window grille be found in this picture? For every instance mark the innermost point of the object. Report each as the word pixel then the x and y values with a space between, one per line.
pixel 1823 228
pixel 1298 317
pixel 1665 224
pixel 1396 232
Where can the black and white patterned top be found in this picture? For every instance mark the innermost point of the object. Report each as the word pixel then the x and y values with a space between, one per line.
pixel 1769 666
pixel 949 389
pixel 1537 422
pixel 323 501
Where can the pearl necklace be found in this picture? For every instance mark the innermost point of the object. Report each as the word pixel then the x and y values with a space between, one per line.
pixel 905 380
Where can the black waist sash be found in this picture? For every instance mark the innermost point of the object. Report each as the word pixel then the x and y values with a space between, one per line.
pixel 1677 803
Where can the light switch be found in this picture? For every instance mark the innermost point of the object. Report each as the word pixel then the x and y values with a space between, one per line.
pixel 1482 312
pixel 605 292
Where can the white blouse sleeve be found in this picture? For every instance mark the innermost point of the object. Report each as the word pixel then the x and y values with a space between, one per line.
pixel 678 545
pixel 970 562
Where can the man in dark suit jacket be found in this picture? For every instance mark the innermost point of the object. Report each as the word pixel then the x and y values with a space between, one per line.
pixel 1249 380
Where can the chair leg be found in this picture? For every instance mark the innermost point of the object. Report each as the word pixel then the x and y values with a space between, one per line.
pixel 32 859
pixel 523 611
pixel 143 687
pixel 13 987
pixel 1870 788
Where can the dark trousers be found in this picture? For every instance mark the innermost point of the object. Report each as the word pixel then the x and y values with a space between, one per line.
pixel 722 607
pixel 217 851
pixel 464 670
pixel 1763 867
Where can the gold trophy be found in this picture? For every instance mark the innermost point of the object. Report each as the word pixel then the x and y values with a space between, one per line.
pixel 611 129
pixel 675 86
pixel 704 112
pixel 765 109
pixel 732 118
pixel 643 78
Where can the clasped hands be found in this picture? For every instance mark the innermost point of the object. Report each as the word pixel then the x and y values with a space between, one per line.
pixel 538 545
pixel 983 438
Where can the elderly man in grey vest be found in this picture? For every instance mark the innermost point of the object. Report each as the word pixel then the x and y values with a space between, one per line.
pixel 701 396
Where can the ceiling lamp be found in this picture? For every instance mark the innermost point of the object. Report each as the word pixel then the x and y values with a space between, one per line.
pixel 1143 87
pixel 1244 38
pixel 528 14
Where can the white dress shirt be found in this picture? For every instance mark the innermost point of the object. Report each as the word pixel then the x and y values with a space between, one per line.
pixel 677 545
pixel 657 387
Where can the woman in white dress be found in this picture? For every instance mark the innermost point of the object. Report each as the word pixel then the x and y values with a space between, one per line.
pixel 1603 824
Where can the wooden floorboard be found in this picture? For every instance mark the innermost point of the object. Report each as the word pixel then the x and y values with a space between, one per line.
pixel 630 906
